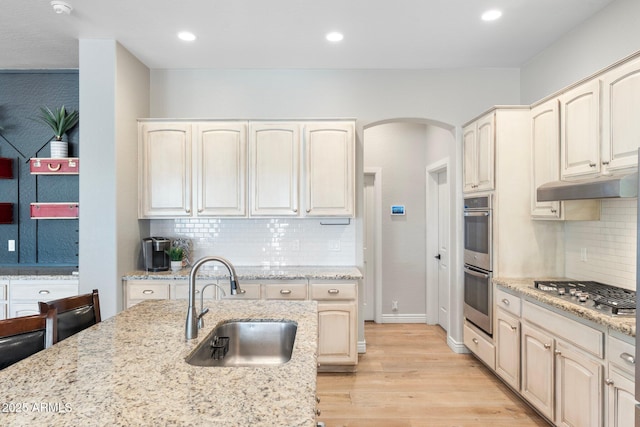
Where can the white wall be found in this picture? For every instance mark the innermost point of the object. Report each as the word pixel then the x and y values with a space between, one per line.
pixel 113 93
pixel 607 37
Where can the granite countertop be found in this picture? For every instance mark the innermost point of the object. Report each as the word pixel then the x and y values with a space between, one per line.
pixel 525 286
pixel 38 273
pixel 129 370
pixel 257 273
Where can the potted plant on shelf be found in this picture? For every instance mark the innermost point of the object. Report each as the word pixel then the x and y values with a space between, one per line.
pixel 175 256
pixel 60 121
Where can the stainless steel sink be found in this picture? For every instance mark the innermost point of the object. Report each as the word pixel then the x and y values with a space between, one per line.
pixel 246 343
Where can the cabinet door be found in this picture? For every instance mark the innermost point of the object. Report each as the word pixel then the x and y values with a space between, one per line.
pixel 485 142
pixel 164 167
pixel 545 155
pixel 579 394
pixel 220 168
pixel 620 400
pixel 620 124
pixel 329 169
pixel 580 131
pixel 274 167
pixel 537 369
pixel 507 338
pixel 337 333
pixel 469 158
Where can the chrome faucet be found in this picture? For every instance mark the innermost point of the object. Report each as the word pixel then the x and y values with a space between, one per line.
pixel 204 311
pixel 191 327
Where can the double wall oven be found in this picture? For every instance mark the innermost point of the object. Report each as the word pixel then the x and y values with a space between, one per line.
pixel 478 295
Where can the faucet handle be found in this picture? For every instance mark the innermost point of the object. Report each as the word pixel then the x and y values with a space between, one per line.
pixel 200 319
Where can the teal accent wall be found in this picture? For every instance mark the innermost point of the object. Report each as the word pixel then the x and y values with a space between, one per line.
pixel 38 242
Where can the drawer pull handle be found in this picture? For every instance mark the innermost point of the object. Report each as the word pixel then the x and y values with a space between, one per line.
pixel 44 292
pixel 592 165
pixel 334 291
pixel 242 291
pixel 628 358
pixel 505 301
pixel 54 168
pixel 285 291
pixel 147 291
pixel 547 346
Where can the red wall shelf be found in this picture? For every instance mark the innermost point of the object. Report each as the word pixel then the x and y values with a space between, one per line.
pixel 57 210
pixel 47 166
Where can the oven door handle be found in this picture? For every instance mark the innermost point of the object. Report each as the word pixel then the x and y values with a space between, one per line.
pixel 476 273
pixel 476 214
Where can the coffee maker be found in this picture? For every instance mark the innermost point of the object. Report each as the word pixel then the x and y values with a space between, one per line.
pixel 154 253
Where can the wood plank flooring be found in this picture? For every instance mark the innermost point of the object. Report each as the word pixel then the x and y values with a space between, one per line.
pixel 410 378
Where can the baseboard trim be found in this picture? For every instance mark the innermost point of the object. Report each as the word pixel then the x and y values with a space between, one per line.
pixel 404 318
pixel 362 347
pixel 457 347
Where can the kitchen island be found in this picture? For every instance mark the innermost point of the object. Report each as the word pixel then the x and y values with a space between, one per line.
pixel 130 370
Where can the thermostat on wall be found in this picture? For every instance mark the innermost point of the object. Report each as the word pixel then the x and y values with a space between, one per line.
pixel 397 209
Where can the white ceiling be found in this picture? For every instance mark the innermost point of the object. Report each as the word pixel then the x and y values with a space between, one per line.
pixel 290 33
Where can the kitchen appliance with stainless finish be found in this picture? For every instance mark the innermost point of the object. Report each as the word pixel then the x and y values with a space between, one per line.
pixel 600 297
pixel 154 253
pixel 478 247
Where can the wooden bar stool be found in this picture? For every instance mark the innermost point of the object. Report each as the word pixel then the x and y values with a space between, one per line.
pixel 20 337
pixel 74 313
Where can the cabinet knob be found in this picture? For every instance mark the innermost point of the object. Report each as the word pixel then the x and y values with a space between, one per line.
pixel 475 340
pixel 514 328
pixel 547 346
pixel 554 211
pixel 295 210
pixel 308 210
pixel 187 210
pixel 605 162
pixel 505 301
pixel 608 381
pixel 592 165
pixel 557 352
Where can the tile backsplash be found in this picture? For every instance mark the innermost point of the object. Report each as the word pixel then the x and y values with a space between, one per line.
pixel 609 245
pixel 268 242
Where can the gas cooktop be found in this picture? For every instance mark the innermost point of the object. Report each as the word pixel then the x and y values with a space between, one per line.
pixel 598 296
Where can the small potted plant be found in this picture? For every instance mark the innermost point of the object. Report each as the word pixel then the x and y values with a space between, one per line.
pixel 60 121
pixel 175 256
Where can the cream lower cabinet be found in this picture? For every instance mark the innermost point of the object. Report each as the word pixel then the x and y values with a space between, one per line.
pixel 620 381
pixel 136 291
pixel 4 302
pixel 24 294
pixel 337 324
pixel 537 369
pixel 507 337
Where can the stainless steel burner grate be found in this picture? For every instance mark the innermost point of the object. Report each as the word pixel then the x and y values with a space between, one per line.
pixel 618 299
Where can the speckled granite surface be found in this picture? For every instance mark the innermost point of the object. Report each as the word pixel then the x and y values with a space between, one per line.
pixel 129 370
pixel 525 286
pixel 257 273
pixel 38 273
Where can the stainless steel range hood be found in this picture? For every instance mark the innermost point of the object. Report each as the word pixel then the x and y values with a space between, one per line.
pixel 594 188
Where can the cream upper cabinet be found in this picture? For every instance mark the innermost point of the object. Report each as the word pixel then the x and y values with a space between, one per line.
pixel 580 131
pixel 620 122
pixel 274 150
pixel 329 176
pixel 478 154
pixel 545 155
pixel 220 168
pixel 164 162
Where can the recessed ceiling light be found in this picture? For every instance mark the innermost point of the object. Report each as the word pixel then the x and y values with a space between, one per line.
pixel 335 36
pixel 186 36
pixel 491 15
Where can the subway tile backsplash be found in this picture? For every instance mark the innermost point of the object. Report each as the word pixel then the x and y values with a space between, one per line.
pixel 609 245
pixel 269 242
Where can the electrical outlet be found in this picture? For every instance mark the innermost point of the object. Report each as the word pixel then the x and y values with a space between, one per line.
pixel 394 305
pixel 334 245
pixel 11 247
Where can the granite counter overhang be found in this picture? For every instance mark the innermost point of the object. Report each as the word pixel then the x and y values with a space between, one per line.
pixel 43 273
pixel 129 370
pixel 525 286
pixel 256 273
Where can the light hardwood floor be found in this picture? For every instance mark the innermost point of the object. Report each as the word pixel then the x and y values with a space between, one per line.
pixel 410 378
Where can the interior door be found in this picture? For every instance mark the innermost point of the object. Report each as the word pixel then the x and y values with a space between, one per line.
pixel 443 251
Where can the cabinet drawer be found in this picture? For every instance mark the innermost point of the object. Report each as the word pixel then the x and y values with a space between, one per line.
pixel 43 291
pixel 508 302
pixel 286 291
pixel 142 291
pixel 333 291
pixel 482 348
pixel 622 354
pixel 249 291
pixel 181 290
pixel 583 336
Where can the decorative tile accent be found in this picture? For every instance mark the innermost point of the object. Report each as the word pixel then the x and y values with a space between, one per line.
pixel 610 245
pixel 269 242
